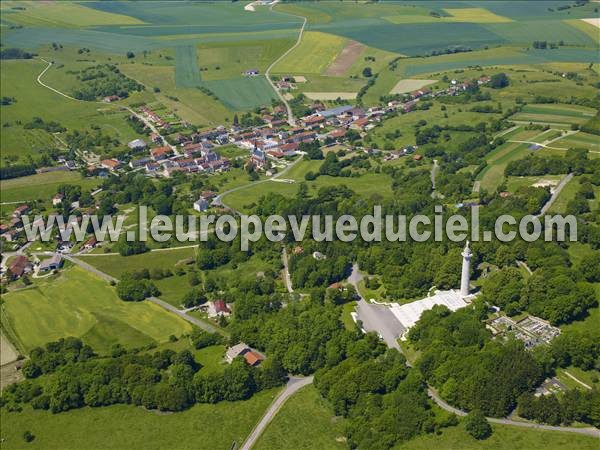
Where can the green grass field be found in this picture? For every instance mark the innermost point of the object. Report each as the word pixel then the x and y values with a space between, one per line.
pixel 305 422
pixel 366 185
pixel 314 54
pixel 115 265
pixel 61 14
pixel 491 177
pixel 504 437
pixel 187 100
pixel 187 73
pixel 241 94
pixel 226 60
pixel 202 427
pixel 82 305
pixel 42 186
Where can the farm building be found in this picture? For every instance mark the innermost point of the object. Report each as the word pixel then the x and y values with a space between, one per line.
pixel 253 358
pixel 237 350
pixel 19 266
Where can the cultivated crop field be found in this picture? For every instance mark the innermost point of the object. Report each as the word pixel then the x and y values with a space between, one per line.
pixel 315 54
pixel 555 114
pixel 187 74
pixel 410 85
pixel 82 305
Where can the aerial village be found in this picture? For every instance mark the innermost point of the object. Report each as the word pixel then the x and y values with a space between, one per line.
pixel 270 145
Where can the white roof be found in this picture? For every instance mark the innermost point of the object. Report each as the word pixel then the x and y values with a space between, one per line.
pixel 410 313
pixel 237 350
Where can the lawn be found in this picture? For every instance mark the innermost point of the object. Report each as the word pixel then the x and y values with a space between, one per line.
pixel 304 422
pixel 43 185
pixel 504 437
pixel 315 53
pixel 346 317
pixel 115 265
pixel 80 304
pixel 202 427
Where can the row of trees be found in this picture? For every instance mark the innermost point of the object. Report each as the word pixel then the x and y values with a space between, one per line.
pixel 164 380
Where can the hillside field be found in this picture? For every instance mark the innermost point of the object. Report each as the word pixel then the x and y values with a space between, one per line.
pixel 202 427
pixel 82 305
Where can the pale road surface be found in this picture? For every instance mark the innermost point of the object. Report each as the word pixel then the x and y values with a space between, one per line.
pixel 388 332
pixel 199 323
pixel 555 195
pixel 286 271
pixel 290 113
pixel 218 200
pixel 292 386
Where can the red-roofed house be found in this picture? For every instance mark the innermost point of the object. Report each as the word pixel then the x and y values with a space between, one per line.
pixel 253 358
pixel 160 153
pixel 110 164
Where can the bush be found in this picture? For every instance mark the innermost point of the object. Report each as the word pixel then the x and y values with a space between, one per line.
pixel 477 425
pixel 28 436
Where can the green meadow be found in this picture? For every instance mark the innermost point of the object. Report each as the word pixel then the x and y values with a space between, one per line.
pixel 504 437
pixel 42 186
pixel 202 427
pixel 82 305
pixel 366 185
pixel 116 265
pixel 305 421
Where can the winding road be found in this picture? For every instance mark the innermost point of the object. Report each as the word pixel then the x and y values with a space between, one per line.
pixel 218 200
pixel 354 279
pixel 293 385
pixel 291 120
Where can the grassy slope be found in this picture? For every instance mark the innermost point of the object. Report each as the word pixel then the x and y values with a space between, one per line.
pixel 307 419
pixel 203 427
pixel 503 438
pixel 365 185
pixel 80 304
pixel 233 58
pixel 42 186
pixel 314 54
pixel 115 265
pixel 305 422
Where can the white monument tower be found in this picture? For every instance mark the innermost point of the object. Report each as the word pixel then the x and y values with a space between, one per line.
pixel 465 279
